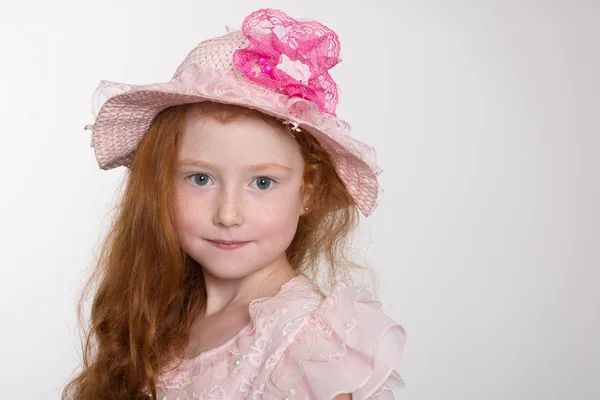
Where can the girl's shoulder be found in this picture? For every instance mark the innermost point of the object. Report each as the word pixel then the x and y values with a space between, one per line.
pixel 320 347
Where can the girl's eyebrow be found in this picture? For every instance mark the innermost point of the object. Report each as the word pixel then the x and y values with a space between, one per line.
pixel 253 168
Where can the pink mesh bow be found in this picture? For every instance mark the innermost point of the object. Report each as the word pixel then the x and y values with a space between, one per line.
pixel 289 56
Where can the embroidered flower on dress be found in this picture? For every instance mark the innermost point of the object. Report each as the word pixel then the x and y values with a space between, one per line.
pixel 292 57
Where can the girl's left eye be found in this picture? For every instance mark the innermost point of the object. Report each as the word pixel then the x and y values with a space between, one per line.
pixel 264 182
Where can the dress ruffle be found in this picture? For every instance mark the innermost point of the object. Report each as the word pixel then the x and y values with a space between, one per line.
pixel 299 346
pixel 345 345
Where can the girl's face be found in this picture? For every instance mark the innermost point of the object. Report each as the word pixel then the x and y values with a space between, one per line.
pixel 238 181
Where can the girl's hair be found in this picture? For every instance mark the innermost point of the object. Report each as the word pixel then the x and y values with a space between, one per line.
pixel 149 291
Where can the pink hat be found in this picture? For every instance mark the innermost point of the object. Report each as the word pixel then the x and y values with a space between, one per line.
pixel 274 64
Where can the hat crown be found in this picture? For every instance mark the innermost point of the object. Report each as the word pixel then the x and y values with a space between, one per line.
pixel 216 54
pixel 286 56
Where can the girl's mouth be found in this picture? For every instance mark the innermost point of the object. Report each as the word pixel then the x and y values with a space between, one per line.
pixel 227 244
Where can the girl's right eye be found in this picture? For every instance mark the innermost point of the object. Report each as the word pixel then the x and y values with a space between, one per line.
pixel 199 179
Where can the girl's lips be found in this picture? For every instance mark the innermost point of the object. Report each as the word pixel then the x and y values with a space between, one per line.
pixel 225 245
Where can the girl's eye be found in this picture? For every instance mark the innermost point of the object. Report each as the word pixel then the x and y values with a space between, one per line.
pixel 200 179
pixel 263 182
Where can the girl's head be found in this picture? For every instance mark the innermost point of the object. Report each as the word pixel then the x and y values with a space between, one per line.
pixel 226 172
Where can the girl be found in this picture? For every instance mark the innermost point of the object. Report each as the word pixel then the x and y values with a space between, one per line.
pixel 243 187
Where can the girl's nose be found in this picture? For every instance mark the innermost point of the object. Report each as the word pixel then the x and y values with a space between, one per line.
pixel 228 209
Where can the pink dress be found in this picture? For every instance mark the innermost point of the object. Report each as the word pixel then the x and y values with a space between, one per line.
pixel 298 346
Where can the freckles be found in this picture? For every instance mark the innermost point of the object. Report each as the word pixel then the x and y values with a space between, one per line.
pixel 189 210
pixel 192 202
pixel 272 221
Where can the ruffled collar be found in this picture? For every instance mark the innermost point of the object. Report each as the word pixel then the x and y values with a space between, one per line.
pixel 260 309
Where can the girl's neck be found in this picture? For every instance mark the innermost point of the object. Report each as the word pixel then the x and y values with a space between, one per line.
pixel 224 294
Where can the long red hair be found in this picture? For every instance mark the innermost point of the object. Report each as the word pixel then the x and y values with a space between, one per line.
pixel 148 291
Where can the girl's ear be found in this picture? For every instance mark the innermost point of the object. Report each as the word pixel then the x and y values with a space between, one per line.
pixel 306 192
pixel 304 209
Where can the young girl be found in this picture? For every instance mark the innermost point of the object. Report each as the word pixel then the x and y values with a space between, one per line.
pixel 224 274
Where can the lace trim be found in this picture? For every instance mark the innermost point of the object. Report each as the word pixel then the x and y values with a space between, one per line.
pixel 316 319
pixel 322 326
pixel 264 312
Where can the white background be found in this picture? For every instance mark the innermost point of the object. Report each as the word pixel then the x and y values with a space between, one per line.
pixel 485 115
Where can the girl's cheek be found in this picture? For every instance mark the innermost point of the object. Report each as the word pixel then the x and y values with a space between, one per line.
pixel 189 205
pixel 193 207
